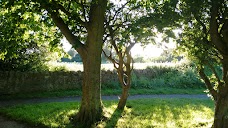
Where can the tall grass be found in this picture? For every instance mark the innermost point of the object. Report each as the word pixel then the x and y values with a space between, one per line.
pixel 156 113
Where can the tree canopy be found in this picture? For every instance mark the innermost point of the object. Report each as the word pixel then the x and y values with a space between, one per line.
pixel 204 38
pixel 26 41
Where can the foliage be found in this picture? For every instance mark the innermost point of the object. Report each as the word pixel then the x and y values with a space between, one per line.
pixel 180 76
pixel 138 113
pixel 26 41
pixel 168 56
pixel 203 38
pixel 161 15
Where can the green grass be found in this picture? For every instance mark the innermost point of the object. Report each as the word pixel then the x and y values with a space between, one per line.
pixel 70 93
pixel 157 113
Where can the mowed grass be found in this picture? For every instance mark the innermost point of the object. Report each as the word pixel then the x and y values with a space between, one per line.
pixel 144 113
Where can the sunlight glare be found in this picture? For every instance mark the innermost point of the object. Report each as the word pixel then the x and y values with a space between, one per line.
pixel 153 50
pixel 149 51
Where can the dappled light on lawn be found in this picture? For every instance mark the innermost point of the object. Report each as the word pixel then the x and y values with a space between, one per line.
pixel 156 113
pixel 53 115
pixel 165 114
pixel 60 119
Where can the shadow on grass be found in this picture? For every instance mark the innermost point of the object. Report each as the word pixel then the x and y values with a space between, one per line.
pixel 111 123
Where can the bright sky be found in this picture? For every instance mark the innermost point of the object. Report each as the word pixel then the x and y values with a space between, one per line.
pixel 66 45
pixel 152 50
pixel 148 51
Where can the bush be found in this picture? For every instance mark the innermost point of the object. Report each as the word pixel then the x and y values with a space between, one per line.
pixel 179 76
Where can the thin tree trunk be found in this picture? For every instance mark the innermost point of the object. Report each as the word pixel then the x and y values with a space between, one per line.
pixel 123 98
pixel 125 77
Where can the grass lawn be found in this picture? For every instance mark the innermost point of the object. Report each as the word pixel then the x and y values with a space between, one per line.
pixel 68 93
pixel 144 113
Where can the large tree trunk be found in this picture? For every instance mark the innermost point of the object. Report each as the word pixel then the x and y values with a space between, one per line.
pixel 221 104
pixel 221 112
pixel 123 98
pixel 217 35
pixel 91 106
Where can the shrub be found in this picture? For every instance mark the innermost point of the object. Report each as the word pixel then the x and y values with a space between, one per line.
pixel 178 76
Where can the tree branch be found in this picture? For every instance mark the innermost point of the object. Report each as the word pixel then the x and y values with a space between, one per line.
pixel 84 10
pixel 65 30
pixel 112 39
pixel 215 73
pixel 215 37
pixel 110 58
pixel 224 31
pixel 202 24
pixel 208 83
pixel 70 15
pixel 116 13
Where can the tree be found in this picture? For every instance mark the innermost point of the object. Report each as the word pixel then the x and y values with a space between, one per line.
pixel 90 24
pixel 23 47
pixel 204 37
pixel 82 24
pixel 122 33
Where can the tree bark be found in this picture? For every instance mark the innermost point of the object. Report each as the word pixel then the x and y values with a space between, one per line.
pixel 208 84
pixel 91 107
pixel 221 112
pixel 124 78
pixel 123 99
pixel 220 43
pixel 221 104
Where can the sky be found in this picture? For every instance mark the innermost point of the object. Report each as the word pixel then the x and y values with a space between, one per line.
pixel 147 51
